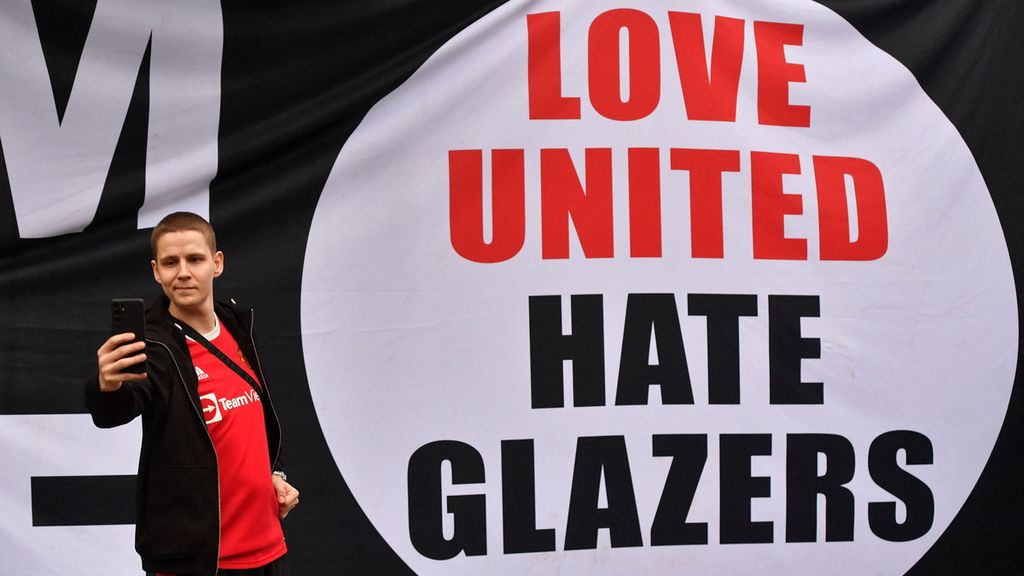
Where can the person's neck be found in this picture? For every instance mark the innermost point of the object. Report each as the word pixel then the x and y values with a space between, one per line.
pixel 202 319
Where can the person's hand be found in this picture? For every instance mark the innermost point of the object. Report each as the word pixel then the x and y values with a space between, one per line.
pixel 114 356
pixel 287 496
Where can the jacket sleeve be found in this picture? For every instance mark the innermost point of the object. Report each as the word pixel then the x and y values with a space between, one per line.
pixel 277 466
pixel 110 409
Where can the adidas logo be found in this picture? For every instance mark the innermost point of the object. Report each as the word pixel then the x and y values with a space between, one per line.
pixel 200 374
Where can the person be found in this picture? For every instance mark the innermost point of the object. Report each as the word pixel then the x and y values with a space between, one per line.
pixel 211 491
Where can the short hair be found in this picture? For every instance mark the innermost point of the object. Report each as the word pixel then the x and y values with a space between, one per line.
pixel 181 221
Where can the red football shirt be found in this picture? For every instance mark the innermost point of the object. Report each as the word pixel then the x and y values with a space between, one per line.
pixel 250 531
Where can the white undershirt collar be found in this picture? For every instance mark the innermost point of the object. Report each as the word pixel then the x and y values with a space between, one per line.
pixel 212 334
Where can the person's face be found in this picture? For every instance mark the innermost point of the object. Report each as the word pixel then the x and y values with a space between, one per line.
pixel 185 268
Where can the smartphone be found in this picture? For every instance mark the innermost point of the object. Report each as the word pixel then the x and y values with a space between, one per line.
pixel 129 315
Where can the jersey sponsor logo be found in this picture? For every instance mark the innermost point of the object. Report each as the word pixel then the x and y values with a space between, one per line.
pixel 243 400
pixel 214 407
pixel 211 409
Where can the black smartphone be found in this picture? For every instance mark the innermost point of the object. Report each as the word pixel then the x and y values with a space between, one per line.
pixel 129 315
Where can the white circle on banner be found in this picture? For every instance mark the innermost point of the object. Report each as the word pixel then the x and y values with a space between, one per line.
pixel 408 343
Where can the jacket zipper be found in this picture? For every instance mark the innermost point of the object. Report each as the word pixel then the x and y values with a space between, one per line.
pixel 216 567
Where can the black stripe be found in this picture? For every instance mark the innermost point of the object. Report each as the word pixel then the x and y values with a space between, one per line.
pixel 83 500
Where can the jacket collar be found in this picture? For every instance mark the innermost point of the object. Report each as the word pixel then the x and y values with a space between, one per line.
pixel 160 323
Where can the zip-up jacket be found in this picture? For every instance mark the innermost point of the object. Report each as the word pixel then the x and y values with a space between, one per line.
pixel 177 500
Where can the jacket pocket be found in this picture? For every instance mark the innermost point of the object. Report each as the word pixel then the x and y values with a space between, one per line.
pixel 180 514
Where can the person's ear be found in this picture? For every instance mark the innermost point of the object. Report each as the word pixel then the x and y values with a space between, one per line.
pixel 218 263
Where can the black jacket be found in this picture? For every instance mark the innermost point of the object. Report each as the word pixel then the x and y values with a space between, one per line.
pixel 177 501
